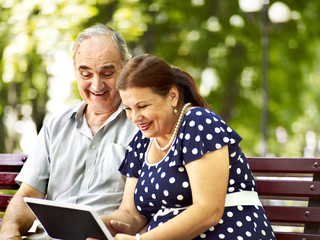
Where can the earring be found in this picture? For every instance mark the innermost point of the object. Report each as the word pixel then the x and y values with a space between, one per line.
pixel 175 111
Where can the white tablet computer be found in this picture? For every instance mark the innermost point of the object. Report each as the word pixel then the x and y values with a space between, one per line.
pixel 68 221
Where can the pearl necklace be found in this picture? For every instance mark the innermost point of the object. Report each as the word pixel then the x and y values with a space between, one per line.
pixel 175 130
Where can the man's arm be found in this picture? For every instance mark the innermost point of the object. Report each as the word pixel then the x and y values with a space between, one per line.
pixel 18 217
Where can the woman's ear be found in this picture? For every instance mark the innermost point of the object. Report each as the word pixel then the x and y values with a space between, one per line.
pixel 174 96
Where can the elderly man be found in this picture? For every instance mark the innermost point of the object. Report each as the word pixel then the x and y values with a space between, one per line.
pixel 77 154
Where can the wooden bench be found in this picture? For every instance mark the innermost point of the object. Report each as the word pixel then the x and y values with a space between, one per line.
pixel 280 181
pixel 10 166
pixel 289 189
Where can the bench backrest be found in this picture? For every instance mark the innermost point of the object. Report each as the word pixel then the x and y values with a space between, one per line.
pixel 289 189
pixel 10 166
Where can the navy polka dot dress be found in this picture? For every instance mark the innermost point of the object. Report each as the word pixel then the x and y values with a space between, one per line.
pixel 163 189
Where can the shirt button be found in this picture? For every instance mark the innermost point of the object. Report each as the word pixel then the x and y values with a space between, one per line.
pixel 93 147
pixel 89 170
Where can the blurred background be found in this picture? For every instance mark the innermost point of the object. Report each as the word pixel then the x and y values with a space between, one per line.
pixel 256 62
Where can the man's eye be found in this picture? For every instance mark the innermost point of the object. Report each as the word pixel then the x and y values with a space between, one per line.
pixel 85 74
pixel 108 74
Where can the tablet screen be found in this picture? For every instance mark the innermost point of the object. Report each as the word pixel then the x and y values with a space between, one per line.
pixel 68 221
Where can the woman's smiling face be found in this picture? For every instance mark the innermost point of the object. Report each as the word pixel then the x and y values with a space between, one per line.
pixel 152 113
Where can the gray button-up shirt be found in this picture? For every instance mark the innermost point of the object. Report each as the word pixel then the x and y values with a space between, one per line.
pixel 69 164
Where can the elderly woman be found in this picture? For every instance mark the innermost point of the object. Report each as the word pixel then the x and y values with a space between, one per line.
pixel 187 177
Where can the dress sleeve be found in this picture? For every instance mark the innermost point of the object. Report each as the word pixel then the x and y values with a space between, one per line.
pixel 203 131
pixel 132 163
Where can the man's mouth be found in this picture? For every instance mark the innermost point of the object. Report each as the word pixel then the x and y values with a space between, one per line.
pixel 98 94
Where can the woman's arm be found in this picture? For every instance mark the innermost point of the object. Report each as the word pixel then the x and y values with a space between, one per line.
pixel 126 218
pixel 208 181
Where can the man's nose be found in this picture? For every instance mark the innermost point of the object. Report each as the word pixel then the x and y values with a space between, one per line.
pixel 97 82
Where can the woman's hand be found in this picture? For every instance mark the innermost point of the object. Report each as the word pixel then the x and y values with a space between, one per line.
pixel 121 227
pixel 121 236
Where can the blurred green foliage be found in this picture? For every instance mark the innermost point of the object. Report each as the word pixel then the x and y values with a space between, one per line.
pixel 216 42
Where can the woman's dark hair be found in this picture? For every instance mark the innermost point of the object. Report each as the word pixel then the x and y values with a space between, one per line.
pixel 150 71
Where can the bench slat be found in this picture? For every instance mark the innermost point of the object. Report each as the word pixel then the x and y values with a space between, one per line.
pixel 309 189
pixel 12 162
pixel 297 215
pixel 285 165
pixel 4 201
pixel 296 236
pixel 7 180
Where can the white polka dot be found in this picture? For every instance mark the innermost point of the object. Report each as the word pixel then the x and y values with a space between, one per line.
pixel 194 151
pixel 181 169
pixel 153 196
pixel 243 185
pixel 192 123
pixel 180 197
pixel 202 235
pixel 198 113
pixel 166 193
pixel 230 214
pixel 151 204
pixel 146 189
pixel 232 181
pixel 231 189
pixel 238 170
pixel 229 129
pixel 240 208
pixel 152 180
pixel 209 136
pixel 200 127
pixel 184 150
pixel 221 221
pixel 239 223
pixel 185 184
pixel 163 175
pixel 211 229
pixel 187 136
pixel 217 130
pixel 175 212
pixel 218 146
pixel 263 232
pixel 248 234
pixel 239 238
pixel 222 236
pixel 226 139
pixel 164 202
pixel 255 215
pixel 230 230
pixel 248 218
pixel 233 154
pixel 157 186
pixel 141 199
pixel 142 182
pixel 197 139
pixel 208 121
pixel 139 208
pixel 172 180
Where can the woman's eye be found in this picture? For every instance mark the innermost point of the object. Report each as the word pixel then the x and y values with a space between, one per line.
pixel 143 107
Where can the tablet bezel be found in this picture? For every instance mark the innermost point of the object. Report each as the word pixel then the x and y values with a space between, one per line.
pixel 70 216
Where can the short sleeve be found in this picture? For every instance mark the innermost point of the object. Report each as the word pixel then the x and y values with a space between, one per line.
pixel 135 155
pixel 203 131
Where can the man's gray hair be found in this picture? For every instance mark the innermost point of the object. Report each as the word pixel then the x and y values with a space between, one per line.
pixel 102 30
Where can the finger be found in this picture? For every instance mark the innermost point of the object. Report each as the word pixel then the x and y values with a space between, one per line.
pixel 121 227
